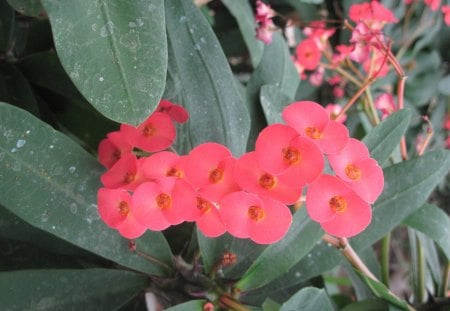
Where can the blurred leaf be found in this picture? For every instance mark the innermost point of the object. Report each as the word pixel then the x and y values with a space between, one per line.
pixel 305 8
pixel 14 88
pixel 190 305
pixel 384 138
pixel 273 102
pixel 87 289
pixel 270 305
pixel 275 68
pixel 7 21
pixel 373 304
pixel 52 184
pixel 277 258
pixel 243 13
pixel 433 22
pixel 27 7
pixel 433 222
pixel 381 291
pixel 407 187
pixel 209 92
pixel 117 55
pixel 308 299
pixel 444 85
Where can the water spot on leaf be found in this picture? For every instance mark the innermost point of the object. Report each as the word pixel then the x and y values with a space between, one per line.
pixel 182 19
pixel 72 169
pixel 20 143
pixel 73 208
pixel 107 30
pixel 44 216
pixel 101 79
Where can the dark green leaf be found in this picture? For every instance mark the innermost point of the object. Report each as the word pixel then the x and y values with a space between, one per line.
pixel 273 102
pixel 209 92
pixel 27 7
pixel 270 305
pixel 52 184
pixel 114 51
pixel 374 304
pixel 7 21
pixel 190 305
pixel 433 222
pixel 444 85
pixel 384 138
pixel 242 12
pixel 89 289
pixel 276 68
pixel 308 299
pixel 279 257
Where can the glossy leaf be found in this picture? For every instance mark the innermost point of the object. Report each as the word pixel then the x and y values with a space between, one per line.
pixel 114 51
pixel 242 12
pixel 27 7
pixel 87 289
pixel 52 184
pixel 384 138
pixel 308 299
pixel 208 89
pixel 275 68
pixel 190 305
pixel 279 257
pixel 433 222
pixel 273 102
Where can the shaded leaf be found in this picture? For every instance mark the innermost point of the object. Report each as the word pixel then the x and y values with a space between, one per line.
pixel 308 299
pixel 208 89
pixel 273 102
pixel 114 51
pixel 270 305
pixel 433 222
pixel 27 7
pixel 190 305
pixel 7 21
pixel 385 137
pixel 89 289
pixel 277 258
pixel 52 184
pixel 243 13
pixel 373 304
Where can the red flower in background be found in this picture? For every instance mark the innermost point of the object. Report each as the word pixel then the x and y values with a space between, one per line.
pixel 308 54
pixel 338 209
pixel 176 112
pixel 261 219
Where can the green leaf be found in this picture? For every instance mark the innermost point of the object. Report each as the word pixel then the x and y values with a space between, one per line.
pixel 190 305
pixel 208 89
pixel 308 299
pixel 381 291
pixel 52 184
pixel 243 13
pixel 384 138
pixel 273 102
pixel 433 222
pixel 7 21
pixel 444 85
pixel 270 305
pixel 114 51
pixel 373 304
pixel 279 257
pixel 275 68
pixel 88 289
pixel 27 7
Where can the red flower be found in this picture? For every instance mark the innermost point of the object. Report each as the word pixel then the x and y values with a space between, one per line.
pixel 156 133
pixel 362 173
pixel 125 173
pixel 338 209
pixel 252 178
pixel 280 150
pixel 209 168
pixel 176 112
pixel 163 164
pixel 311 121
pixel 111 149
pixel 308 54
pixel 209 221
pixel 446 11
pixel 261 219
pixel 385 103
pixel 116 210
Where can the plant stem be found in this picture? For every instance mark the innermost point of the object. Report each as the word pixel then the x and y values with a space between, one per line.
pixel 444 283
pixel 232 304
pixel 385 254
pixel 420 288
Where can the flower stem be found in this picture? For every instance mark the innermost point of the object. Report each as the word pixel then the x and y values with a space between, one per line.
pixel 420 286
pixel 385 254
pixel 444 283
pixel 232 304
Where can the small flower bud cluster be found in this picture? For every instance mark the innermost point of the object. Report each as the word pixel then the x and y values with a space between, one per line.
pixel 248 196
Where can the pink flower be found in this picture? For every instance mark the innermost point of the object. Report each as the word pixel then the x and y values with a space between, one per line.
pixel 264 14
pixel 163 164
pixel 169 201
pixel 385 103
pixel 377 64
pixel 311 121
pixel 318 32
pixel 252 178
pixel 261 219
pixel 316 77
pixel 338 209
pixel 264 32
pixel 446 125
pixel 374 14
pixel 116 210
pixel 308 54
pixel 209 168
pixel 156 133
pixel 125 173
pixel 209 221
pixel 281 150
pixel 446 11
pixel 176 112
pixel 355 167
pixel 111 149
pixel 333 111
pixel 433 4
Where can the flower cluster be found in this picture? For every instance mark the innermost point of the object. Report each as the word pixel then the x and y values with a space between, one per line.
pixel 248 196
pixel 265 25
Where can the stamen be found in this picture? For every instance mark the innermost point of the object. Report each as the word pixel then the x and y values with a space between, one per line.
pixel 216 175
pixel 338 203
pixel 255 213
pixel 291 155
pixel 313 132
pixel 353 172
pixel 163 200
pixel 267 181
pixel 124 209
